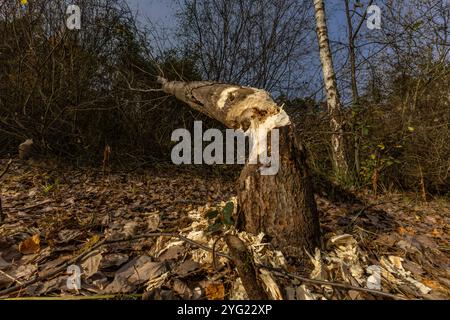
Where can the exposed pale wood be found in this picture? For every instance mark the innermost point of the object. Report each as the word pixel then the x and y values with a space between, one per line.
pixel 235 106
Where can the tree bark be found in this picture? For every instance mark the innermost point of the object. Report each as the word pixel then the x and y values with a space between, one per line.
pixel 355 94
pixel 245 266
pixel 333 97
pixel 351 53
pixel 352 34
pixel 282 205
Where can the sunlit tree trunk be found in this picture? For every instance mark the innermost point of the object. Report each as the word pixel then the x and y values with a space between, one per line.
pixel 333 98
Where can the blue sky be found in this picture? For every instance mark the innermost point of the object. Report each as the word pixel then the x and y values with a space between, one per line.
pixel 158 11
pixel 163 14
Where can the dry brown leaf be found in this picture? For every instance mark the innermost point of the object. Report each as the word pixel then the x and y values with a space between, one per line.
pixel 215 291
pixel 436 233
pixel 91 264
pixel 187 267
pixel 434 285
pixel 30 245
pixel 182 289
pixel 135 272
pixel 113 260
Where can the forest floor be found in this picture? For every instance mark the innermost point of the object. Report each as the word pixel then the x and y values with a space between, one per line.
pixel 149 234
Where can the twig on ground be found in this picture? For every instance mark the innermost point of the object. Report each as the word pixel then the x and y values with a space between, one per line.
pixel 53 273
pixel 98 245
pixel 10 277
pixel 33 206
pixel 333 284
pixel 201 246
pixel 2 216
pixel 214 253
pixel 93 297
pixel 6 169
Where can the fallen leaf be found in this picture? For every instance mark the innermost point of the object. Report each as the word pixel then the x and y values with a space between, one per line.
pixel 215 291
pixel 153 221
pixel 67 235
pixel 354 295
pixel 30 245
pixel 172 253
pixel 434 285
pixel 3 263
pixel 187 267
pixel 91 264
pixel 113 260
pixel 134 273
pixel 25 271
pixel 182 289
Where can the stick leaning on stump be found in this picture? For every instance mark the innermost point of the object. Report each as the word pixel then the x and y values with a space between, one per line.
pixel 281 206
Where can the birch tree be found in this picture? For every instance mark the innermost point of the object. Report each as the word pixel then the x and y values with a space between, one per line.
pixel 333 98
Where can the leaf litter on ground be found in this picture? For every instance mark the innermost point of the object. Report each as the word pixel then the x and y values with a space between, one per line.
pixel 398 246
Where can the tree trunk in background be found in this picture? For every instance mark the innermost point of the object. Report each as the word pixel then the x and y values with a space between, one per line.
pixel 355 94
pixel 352 34
pixel 282 206
pixel 351 53
pixel 333 98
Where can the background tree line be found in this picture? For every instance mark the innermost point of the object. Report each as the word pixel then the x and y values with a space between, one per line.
pixel 74 92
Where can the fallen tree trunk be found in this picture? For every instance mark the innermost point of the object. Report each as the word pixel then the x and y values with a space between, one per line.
pixel 280 205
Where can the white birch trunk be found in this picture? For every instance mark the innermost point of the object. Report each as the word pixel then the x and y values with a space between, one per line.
pixel 333 98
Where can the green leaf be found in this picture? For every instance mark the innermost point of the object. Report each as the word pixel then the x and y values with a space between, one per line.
pixel 365 131
pixel 212 214
pixel 216 227
pixel 228 213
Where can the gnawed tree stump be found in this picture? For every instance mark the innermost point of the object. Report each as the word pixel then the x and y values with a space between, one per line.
pixel 282 205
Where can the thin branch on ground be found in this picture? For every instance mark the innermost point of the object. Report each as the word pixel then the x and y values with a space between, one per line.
pixel 333 284
pixel 34 206
pixel 2 216
pixel 278 271
pixel 98 245
pixel 6 169
pixel 10 277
